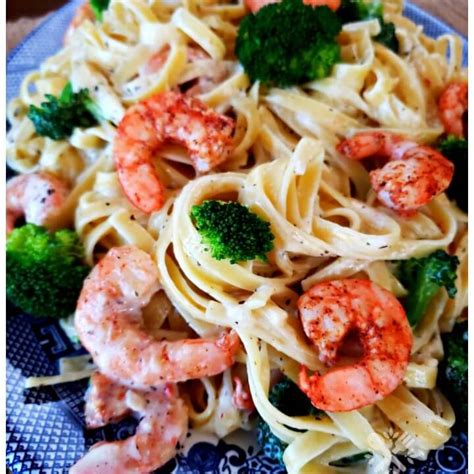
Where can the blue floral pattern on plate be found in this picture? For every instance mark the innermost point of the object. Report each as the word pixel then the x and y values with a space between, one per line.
pixel 45 427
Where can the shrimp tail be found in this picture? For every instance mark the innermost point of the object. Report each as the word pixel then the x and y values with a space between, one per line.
pixel 242 399
pixel 229 343
pixel 105 402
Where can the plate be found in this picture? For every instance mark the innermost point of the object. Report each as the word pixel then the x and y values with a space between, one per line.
pixel 45 427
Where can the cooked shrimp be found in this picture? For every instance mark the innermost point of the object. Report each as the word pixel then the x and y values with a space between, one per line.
pixel 105 402
pixel 36 196
pixel 83 13
pixel 255 5
pixel 216 71
pixel 242 399
pixel 452 105
pixel 158 60
pixel 415 175
pixel 163 423
pixel 330 311
pixel 173 117
pixel 332 4
pixel 109 324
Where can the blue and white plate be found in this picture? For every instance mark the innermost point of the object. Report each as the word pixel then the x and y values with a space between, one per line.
pixel 45 427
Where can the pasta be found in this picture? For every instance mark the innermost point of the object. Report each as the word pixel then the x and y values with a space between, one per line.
pixel 327 222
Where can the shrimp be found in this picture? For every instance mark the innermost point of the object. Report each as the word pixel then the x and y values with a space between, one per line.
pixel 174 117
pixel 163 424
pixel 330 311
pixel 109 324
pixel 255 5
pixel 415 175
pixel 241 398
pixel 452 105
pixel 105 402
pixel 36 196
pixel 83 13
pixel 158 60
pixel 216 71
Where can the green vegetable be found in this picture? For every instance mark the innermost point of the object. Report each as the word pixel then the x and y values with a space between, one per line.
pixel 289 399
pixel 387 36
pixel 45 270
pixel 288 43
pixel 456 150
pixel 98 7
pixel 231 231
pixel 58 117
pixel 351 460
pixel 453 370
pixel 359 10
pixel 423 277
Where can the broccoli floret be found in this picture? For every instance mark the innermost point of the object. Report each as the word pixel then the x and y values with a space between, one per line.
pixel 456 150
pixel 58 117
pixel 423 277
pixel 98 7
pixel 288 43
pixel 453 370
pixel 45 270
pixel 231 231
pixel 359 10
pixel 452 146
pixel 289 399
